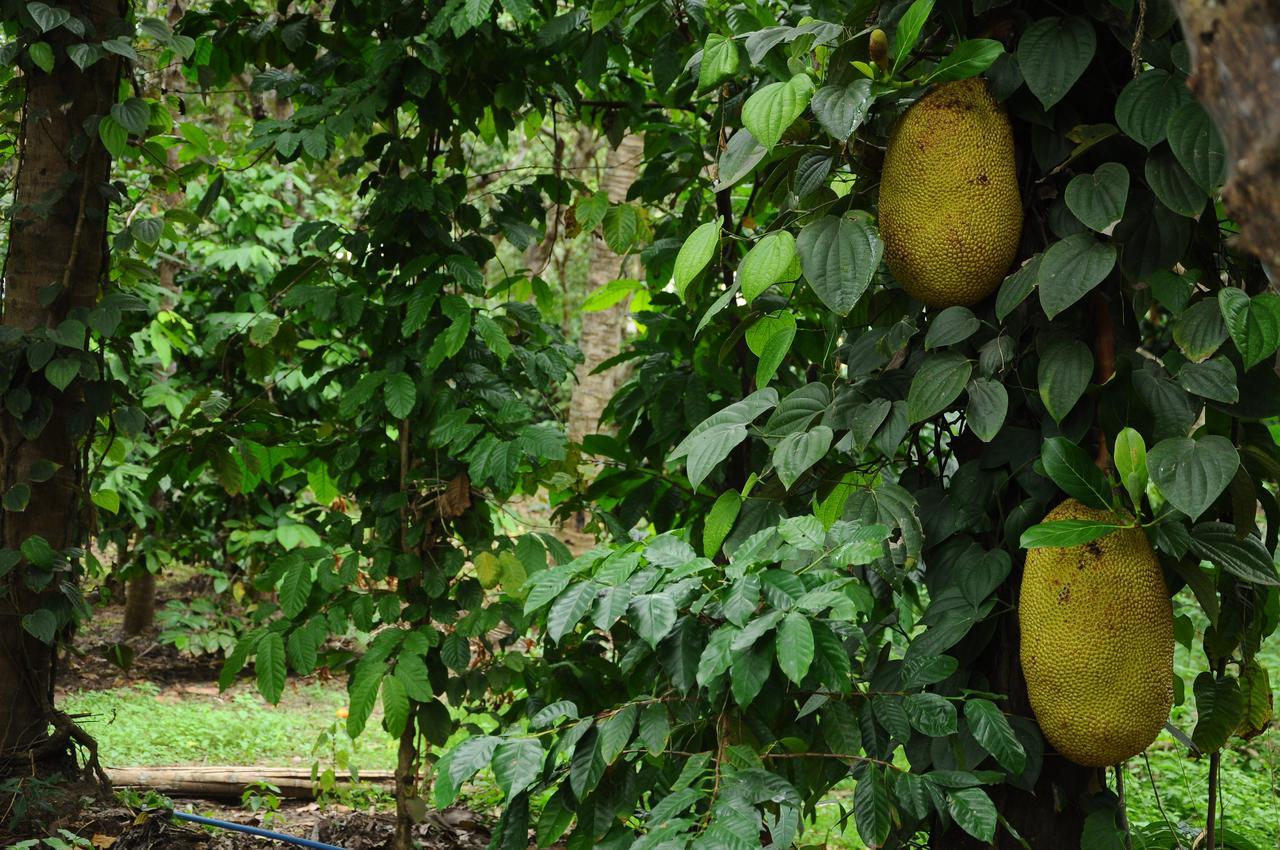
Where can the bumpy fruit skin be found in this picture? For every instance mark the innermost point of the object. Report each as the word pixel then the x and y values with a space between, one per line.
pixel 1097 642
pixel 950 214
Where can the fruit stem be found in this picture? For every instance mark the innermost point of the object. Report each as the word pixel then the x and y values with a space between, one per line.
pixel 1104 355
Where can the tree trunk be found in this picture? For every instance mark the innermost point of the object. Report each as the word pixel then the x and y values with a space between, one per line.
pixel 603 331
pixel 57 236
pixel 1236 78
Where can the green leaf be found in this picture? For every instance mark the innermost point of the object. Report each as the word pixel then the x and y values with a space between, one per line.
pixel 992 730
pixel 973 812
pixel 621 226
pixel 931 714
pixel 133 114
pixel 742 154
pixel 694 254
pixel 839 257
pixel 1193 473
pixel 749 671
pixel 719 522
pixel 1060 533
pixel 61 371
pixel 969 59
pixel 799 451
pixel 46 17
pixel 1098 199
pixel 842 109
pixel 872 808
pixel 1172 185
pixel 937 383
pixel 1219 710
pixel 400 394
pixel 1198 145
pixel 1070 268
pixel 1254 324
pixel 1063 375
pixel 1017 286
pixel 795 646
pixel 988 408
pixel 464 760
pixel 719 61
pixel 516 764
pixel 147 230
pixel 1074 471
pixel 1130 456
pixel 108 500
pixel 295 587
pixel 115 138
pixel 772 109
pixel 1214 379
pixel 603 298
pixel 41 624
pixel 590 210
pixel 1200 330
pixel 908 32
pixel 569 609
pixel 1244 557
pixel 767 263
pixel 41 56
pixel 84 55
pixel 1052 55
pixel 395 706
pixel 952 325
pixel 654 615
pixel 270 667
pixel 37 551
pixel 1146 104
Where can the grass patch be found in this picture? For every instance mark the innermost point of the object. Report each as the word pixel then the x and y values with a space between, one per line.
pixel 140 725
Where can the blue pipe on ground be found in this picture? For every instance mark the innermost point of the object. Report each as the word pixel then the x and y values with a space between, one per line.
pixel 253 830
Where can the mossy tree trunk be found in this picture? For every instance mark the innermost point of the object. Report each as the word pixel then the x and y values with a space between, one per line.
pixel 57 235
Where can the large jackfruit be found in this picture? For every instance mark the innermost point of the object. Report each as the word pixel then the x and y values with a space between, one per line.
pixel 1097 642
pixel 950 214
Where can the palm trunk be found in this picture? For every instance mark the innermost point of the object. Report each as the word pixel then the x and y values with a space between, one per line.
pixel 603 331
pixel 57 235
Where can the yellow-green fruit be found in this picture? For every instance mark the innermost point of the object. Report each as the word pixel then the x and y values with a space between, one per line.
pixel 1097 642
pixel 878 49
pixel 950 214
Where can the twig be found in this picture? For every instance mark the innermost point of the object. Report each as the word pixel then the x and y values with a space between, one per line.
pixel 1124 811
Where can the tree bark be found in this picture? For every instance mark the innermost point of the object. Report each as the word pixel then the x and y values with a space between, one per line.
pixel 603 331
pixel 57 236
pixel 1233 48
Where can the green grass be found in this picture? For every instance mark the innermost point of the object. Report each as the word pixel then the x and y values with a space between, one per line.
pixel 140 725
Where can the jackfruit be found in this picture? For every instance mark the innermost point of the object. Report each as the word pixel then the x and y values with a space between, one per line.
pixel 1097 642
pixel 950 213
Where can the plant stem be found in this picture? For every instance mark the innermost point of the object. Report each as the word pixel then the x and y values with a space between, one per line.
pixel 1124 809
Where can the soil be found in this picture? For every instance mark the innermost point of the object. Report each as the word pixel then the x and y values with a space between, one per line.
pixel 120 828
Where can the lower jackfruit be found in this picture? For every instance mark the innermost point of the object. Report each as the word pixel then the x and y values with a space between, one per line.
pixel 1097 642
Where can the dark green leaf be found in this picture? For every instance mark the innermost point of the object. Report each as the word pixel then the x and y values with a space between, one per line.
pixel 1070 268
pixel 839 256
pixel 1192 473
pixel 799 451
pixel 1053 53
pixel 988 407
pixel 1098 199
pixel 1254 323
pixel 1198 145
pixel 993 732
pixel 1147 103
pixel 937 383
pixel 1074 471
pixel 1219 710
pixel 1063 375
pixel 969 59
pixel 841 109
pixel 1244 557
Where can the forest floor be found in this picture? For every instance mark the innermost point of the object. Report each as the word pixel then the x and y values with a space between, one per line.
pixel 166 709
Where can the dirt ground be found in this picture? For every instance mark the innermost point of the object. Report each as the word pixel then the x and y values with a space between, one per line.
pixel 111 827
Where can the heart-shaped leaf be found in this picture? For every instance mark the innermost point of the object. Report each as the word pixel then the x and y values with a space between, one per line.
pixel 1192 473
